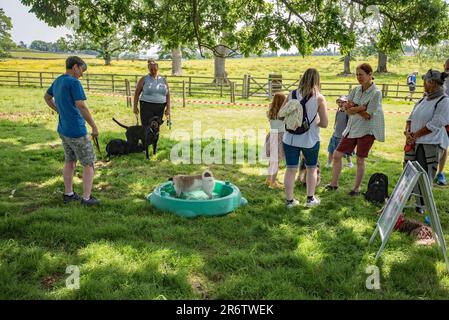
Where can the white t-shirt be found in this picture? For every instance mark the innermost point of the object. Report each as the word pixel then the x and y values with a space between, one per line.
pixel 424 114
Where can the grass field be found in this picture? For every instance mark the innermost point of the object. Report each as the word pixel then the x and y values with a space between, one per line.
pixel 127 249
pixel 289 67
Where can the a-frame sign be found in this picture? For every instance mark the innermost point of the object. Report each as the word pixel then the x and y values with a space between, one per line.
pixel 413 174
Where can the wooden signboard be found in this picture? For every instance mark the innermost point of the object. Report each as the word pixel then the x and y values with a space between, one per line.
pixel 412 175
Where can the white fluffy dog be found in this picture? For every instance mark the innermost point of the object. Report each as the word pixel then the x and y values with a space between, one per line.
pixel 184 183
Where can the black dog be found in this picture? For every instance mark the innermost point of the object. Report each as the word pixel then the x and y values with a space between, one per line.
pixel 118 147
pixel 148 134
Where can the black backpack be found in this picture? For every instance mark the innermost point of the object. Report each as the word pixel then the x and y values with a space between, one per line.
pixel 305 124
pixel 377 188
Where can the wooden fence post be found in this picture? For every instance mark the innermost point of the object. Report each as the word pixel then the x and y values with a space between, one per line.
pixel 232 91
pixel 40 78
pixel 248 86
pixel 128 93
pixel 270 89
pixel 113 87
pixel 245 79
pixel 18 78
pixel 384 90
pixel 397 90
pixel 190 86
pixel 87 81
pixel 183 93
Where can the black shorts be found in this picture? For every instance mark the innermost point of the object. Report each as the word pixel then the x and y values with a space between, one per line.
pixel 149 110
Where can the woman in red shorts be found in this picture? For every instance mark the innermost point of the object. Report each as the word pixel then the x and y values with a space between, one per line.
pixel 366 124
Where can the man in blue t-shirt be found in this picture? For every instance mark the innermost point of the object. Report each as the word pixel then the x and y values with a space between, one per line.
pixel 66 96
pixel 411 82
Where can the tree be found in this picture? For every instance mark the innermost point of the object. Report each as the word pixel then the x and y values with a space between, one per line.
pixel 6 42
pixel 39 45
pixel 176 54
pixel 356 25
pixel 425 21
pixel 438 52
pixel 178 24
pixel 107 46
pixel 63 44
pixel 233 27
pixel 103 24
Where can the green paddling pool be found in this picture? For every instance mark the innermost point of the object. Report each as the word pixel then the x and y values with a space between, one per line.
pixel 226 198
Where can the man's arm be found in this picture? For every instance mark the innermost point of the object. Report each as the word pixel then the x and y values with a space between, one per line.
pixel 50 102
pixel 81 105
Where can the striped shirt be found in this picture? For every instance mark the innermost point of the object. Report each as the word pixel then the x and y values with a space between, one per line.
pixel 357 125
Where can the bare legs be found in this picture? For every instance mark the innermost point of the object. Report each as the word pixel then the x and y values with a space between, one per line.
pixel 337 167
pixel 289 182
pixel 69 170
pixel 88 178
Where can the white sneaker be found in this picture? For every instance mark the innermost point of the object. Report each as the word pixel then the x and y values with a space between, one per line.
pixel 312 203
pixel 350 165
pixel 291 204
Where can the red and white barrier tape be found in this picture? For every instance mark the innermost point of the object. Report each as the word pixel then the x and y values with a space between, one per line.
pixel 220 102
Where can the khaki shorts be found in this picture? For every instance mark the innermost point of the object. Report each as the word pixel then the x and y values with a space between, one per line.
pixel 78 149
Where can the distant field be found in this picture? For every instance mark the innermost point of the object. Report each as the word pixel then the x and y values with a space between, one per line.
pixel 289 67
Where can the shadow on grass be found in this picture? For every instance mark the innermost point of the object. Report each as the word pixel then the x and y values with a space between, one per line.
pixel 127 249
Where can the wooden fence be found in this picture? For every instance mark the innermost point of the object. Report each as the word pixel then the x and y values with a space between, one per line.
pixel 245 87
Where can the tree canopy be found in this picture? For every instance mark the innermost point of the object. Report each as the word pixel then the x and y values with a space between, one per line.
pixel 6 42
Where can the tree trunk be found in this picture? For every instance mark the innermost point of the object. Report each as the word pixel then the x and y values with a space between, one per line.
pixel 107 59
pixel 347 65
pixel 382 63
pixel 220 75
pixel 176 62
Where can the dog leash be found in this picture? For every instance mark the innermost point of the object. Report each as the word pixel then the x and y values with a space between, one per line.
pixel 97 145
pixel 137 119
pixel 169 122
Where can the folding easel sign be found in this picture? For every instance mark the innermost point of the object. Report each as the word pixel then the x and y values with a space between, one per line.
pixel 412 175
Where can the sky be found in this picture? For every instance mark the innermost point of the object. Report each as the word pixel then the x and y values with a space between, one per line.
pixel 26 26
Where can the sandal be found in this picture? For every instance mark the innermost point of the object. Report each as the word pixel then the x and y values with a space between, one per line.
pixel 275 185
pixel 354 193
pixel 331 188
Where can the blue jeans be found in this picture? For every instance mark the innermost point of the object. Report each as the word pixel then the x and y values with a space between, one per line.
pixel 292 155
pixel 333 144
